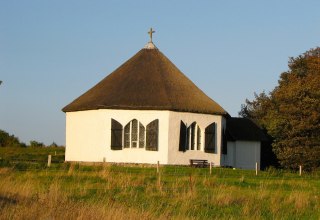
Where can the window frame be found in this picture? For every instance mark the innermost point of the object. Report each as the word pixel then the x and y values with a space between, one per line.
pixel 190 137
pixel 128 144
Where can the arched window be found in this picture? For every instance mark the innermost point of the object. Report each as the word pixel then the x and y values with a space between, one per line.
pixel 190 137
pixel 134 135
pixel 142 135
pixel 116 135
pixel 152 135
pixel 195 137
pixel 210 139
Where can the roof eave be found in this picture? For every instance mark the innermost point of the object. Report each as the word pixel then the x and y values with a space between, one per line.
pixel 163 108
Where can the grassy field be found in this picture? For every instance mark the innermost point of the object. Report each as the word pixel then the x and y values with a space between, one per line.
pixel 30 190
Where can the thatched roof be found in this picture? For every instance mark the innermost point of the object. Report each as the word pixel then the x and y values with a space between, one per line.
pixel 147 81
pixel 244 129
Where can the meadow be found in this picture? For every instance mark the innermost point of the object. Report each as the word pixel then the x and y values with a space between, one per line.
pixel 31 190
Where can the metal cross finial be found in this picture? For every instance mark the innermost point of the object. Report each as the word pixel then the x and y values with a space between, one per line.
pixel 150 33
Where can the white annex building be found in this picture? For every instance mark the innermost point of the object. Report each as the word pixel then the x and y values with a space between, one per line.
pixel 146 111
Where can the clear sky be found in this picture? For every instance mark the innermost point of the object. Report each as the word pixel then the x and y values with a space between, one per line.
pixel 53 51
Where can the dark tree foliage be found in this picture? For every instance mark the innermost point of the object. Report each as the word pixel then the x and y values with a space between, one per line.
pixel 291 112
pixel 36 144
pixel 7 140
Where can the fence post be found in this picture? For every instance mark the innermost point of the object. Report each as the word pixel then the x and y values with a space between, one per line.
pixel 210 168
pixel 191 183
pixel 256 169
pixel 49 160
pixel 158 166
pixel 159 181
pixel 300 170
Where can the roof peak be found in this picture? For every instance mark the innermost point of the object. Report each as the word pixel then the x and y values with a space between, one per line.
pixel 150 46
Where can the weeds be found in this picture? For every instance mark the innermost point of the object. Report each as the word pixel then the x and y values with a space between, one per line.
pixel 108 191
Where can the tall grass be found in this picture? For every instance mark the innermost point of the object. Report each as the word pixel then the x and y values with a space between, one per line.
pixel 77 191
pixel 31 190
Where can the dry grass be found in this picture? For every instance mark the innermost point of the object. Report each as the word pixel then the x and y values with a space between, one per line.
pixel 134 193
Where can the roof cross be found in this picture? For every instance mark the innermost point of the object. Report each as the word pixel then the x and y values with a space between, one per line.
pixel 150 33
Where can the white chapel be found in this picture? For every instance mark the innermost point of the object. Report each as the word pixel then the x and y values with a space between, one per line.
pixel 146 111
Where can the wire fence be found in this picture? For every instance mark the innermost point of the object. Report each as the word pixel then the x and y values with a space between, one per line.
pixel 57 164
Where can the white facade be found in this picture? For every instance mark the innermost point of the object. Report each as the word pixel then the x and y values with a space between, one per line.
pixel 203 120
pixel 243 154
pixel 88 136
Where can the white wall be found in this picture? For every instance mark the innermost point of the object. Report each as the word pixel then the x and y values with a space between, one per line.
pixel 243 154
pixel 139 155
pixel 88 136
pixel 85 135
pixel 230 158
pixel 203 120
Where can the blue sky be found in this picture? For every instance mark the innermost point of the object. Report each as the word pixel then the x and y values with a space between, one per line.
pixel 53 51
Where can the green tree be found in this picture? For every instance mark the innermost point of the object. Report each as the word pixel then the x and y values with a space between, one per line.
pixel 7 140
pixel 291 112
pixel 36 144
pixel 53 145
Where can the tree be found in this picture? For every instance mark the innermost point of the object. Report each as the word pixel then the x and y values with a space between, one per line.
pixel 7 140
pixel 53 145
pixel 36 144
pixel 291 112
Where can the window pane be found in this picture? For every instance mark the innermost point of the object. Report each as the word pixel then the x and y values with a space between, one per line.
pixel 193 135
pixel 188 138
pixel 127 136
pixel 198 138
pixel 134 130
pixel 141 135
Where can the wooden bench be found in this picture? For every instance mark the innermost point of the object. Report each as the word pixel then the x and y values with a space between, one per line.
pixel 199 163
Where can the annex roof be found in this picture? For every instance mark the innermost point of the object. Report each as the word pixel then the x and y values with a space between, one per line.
pixel 244 129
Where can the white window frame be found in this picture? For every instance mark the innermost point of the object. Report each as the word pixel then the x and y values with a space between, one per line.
pixel 195 136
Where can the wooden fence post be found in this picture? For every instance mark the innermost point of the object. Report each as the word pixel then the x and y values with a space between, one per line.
pixel 210 168
pixel 191 183
pixel 256 169
pixel 158 166
pixel 49 160
pixel 159 175
pixel 300 170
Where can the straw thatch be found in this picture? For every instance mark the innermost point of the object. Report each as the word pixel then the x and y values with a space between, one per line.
pixel 147 81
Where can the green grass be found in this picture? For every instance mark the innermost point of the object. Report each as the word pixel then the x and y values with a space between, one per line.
pixel 29 157
pixel 106 191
